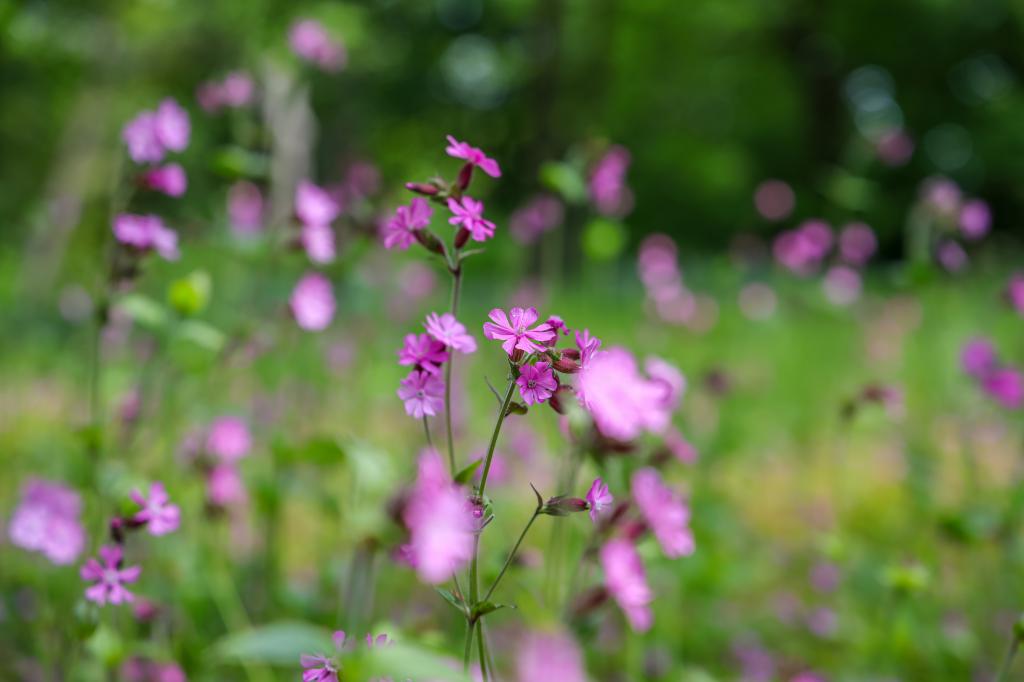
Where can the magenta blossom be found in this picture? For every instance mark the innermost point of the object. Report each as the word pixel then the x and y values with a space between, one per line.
pixel 172 126
pixel 146 233
pixel 423 352
pixel 449 331
pixel 224 485
pixel 951 256
pixel 236 90
pixel 587 345
pixel 665 513
pixel 310 41
pixel 398 231
pixel 318 241
pixel 842 285
pixel 320 668
pixel 470 214
pixel 671 379
pixel 626 582
pixel 621 400
pixel 607 184
pixel 975 219
pixel 513 330
pixel 139 135
pixel 557 325
pixel 857 243
pixel 109 577
pixel 472 156
pixel 228 439
pixel 802 249
pixel 978 357
pixel 245 207
pixel 1006 386
pixel 314 206
pixel 536 383
pixel 170 179
pixel 549 657
pixel 160 516
pixel 599 498
pixel 47 520
pixel 541 214
pixel 423 394
pixel 440 522
pixel 312 302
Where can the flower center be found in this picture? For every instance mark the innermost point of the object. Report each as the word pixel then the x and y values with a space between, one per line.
pixel 532 383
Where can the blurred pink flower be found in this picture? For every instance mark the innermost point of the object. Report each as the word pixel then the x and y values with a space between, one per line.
pixel 228 439
pixel 146 233
pixel 160 516
pixel 774 200
pixel 842 285
pixel 1006 386
pixel 139 135
pixel 857 243
pixel 318 241
pixel 312 302
pixel 449 331
pixel 513 330
pixel 398 231
pixel 599 498
pixel 314 206
pixel 587 346
pixel 320 668
pixel 423 394
pixel 664 511
pixel 470 214
pixel 975 219
pixel 894 147
pixel 170 179
pixel 607 183
pixel 671 379
pixel 951 256
pixel 171 125
pixel 310 41
pixel 978 357
pixel 47 520
pixel 245 207
pixel 680 448
pixel 440 522
pixel 801 250
pixel 235 91
pixel 224 485
pixel 109 577
pixel 622 401
pixel 540 214
pixel 473 156
pixel 536 383
pixel 626 582
pixel 423 352
pixel 1015 292
pixel 549 657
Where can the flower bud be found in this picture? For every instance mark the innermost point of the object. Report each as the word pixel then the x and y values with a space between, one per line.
pixel 571 353
pixel 589 601
pixel 465 176
pixel 634 530
pixel 422 188
pixel 461 237
pixel 566 365
pixel 563 506
pixel 429 241
pixel 558 398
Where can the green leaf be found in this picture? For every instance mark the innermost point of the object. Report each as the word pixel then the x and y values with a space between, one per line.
pixel 402 661
pixel 466 475
pixel 144 311
pixel 276 643
pixel 450 597
pixel 191 294
pixel 564 179
pixel 483 608
pixel 603 239
pixel 202 334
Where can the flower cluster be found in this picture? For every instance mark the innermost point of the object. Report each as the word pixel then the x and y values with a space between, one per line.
pixel 227 441
pixel 607 186
pixel 234 91
pixel 953 220
pixel 537 216
pixel 48 521
pixel 667 294
pixel 326 668
pixel 806 248
pixel 311 42
pixel 422 390
pixel 1003 383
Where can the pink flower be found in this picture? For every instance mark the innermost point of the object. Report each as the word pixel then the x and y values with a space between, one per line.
pixel 109 577
pixel 774 200
pixel 228 439
pixel 139 135
pixel 842 285
pixel 470 214
pixel 671 379
pixel 449 331
pixel 224 485
pixel 157 513
pixel 473 157
pixel 557 326
pixel 541 214
pixel 236 90
pixel 622 401
pixel 857 243
pixel 680 448
pixel 312 302
pixel 607 184
pixel 146 233
pixel 423 394
pixel 664 511
pixel 170 179
pixel 47 521
pixel 398 231
pixel 978 357
pixel 1015 292
pixel 245 207
pixel 587 345
pixel 599 498
pixel 549 657
pixel 314 206
pixel 310 41
pixel 975 219
pixel 626 582
pixel 802 249
pixel 516 334
pixel 536 383
pixel 318 241
pixel 171 125
pixel 423 352
pixel 1005 386
pixel 440 522
pixel 951 256
pixel 320 668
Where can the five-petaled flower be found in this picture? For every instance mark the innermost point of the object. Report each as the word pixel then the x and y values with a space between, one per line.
pixel 157 513
pixel 473 156
pixel 449 331
pixel 470 214
pixel 423 394
pixel 599 498
pixel 109 577
pixel 399 230
pixel 423 352
pixel 536 383
pixel 320 668
pixel 513 330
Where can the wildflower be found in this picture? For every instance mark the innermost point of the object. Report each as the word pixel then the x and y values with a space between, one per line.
pixel 557 326
pixel 235 91
pixel 440 522
pixel 320 668
pixel 942 196
pixel 671 379
pixel 774 200
pixel 541 214
pixel 587 345
pixel 802 249
pixel 109 577
pixel 680 448
pixel 975 219
pixel 170 179
pixel 310 41
pixel 139 135
pixel 622 401
pixel 449 331
pixel 146 233
pixel 626 581
pixel 473 157
pixel 470 214
pixel 516 334
pixel 398 231
pixel 157 513
pixel 47 521
pixel 664 511
pixel 318 241
pixel 312 302
pixel 423 394
pixel 171 126
pixel 1005 386
pixel 224 485
pixel 228 439
pixel 978 357
pixel 536 383
pixel 314 206
pixel 599 498
pixel 423 352
pixel 842 285
pixel 857 243
pixel 951 256
pixel 245 207
pixel 549 657
pixel 607 183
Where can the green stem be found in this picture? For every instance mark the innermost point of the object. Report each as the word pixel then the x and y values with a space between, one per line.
pixel 469 645
pixel 426 432
pixel 453 307
pixel 512 554
pixel 482 650
pixel 1004 669
pixel 494 436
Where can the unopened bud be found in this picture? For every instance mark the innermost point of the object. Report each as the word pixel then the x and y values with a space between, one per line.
pixel 589 601
pixel 422 188
pixel 429 241
pixel 461 237
pixel 563 506
pixel 465 176
pixel 634 530
pixel 515 407
pixel 571 353
pixel 566 365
